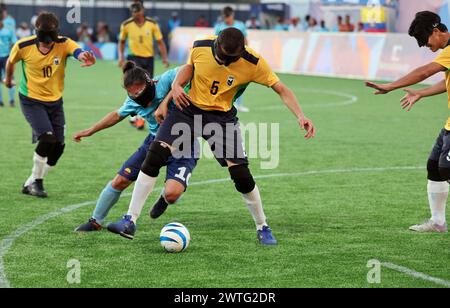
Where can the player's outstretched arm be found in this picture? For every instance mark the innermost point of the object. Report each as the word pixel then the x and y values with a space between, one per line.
pixel 9 75
pixel 184 76
pixel 418 75
pixel 163 50
pixel 291 102
pixel 110 120
pixel 413 96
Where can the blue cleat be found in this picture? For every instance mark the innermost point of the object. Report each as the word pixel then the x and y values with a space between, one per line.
pixel 125 228
pixel 265 236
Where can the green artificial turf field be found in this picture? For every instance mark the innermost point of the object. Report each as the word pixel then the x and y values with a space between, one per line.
pixel 334 202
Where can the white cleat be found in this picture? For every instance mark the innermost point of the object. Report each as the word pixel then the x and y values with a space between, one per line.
pixel 429 227
pixel 242 108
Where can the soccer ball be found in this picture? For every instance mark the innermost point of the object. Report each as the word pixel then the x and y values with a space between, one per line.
pixel 175 237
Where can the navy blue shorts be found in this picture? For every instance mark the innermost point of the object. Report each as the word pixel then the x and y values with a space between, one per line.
pixel 220 129
pixel 3 61
pixel 179 170
pixel 44 118
pixel 441 149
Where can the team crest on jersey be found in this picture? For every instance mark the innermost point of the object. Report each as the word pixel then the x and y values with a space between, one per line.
pixel 230 81
pixel 56 61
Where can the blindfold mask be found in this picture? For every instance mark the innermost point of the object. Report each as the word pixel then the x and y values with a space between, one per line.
pixel 47 36
pixel 226 59
pixel 147 95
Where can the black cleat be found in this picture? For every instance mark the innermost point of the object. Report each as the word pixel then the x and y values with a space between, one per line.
pixel 26 190
pixel 159 208
pixel 37 189
pixel 91 226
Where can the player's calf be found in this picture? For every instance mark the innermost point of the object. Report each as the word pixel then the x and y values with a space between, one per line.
pixel 170 195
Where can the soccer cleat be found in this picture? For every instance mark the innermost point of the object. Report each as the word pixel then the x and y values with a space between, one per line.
pixel 91 226
pixel 242 108
pixel 159 208
pixel 429 227
pixel 125 228
pixel 265 236
pixel 36 189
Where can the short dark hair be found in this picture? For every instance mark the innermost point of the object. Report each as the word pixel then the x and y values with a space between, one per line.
pixel 423 25
pixel 227 11
pixel 133 74
pixel 232 41
pixel 136 7
pixel 47 21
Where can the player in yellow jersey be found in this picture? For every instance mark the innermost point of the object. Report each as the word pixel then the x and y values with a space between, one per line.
pixel 43 57
pixel 218 72
pixel 140 32
pixel 430 32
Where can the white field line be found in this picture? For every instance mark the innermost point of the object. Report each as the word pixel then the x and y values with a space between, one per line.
pixel 414 274
pixel 7 242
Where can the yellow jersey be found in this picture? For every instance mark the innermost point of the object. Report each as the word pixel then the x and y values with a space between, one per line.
pixel 444 60
pixel 216 86
pixel 140 38
pixel 43 74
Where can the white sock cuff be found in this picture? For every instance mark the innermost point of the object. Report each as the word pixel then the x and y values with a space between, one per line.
pixel 39 159
pixel 438 187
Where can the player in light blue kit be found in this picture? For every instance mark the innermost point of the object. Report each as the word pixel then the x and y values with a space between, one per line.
pixel 7 40
pixel 149 99
pixel 230 22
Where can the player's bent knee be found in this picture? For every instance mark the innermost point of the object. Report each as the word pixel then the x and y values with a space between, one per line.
pixel 121 183
pixel 433 171
pixel 157 157
pixel 242 178
pixel 173 191
pixel 46 145
pixel 56 154
pixel 445 174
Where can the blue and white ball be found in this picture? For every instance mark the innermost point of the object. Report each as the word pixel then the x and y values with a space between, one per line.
pixel 175 237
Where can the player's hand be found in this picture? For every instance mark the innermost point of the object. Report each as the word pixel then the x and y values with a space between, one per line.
pixel 87 58
pixel 307 124
pixel 80 135
pixel 381 88
pixel 410 99
pixel 121 62
pixel 166 63
pixel 182 100
pixel 161 114
pixel 9 83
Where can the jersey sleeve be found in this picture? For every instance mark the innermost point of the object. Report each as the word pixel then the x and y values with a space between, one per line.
pixel 264 74
pixel 191 58
pixel 13 37
pixel 15 55
pixel 123 33
pixel 244 29
pixel 165 82
pixel 128 108
pixel 217 30
pixel 444 58
pixel 71 47
pixel 157 33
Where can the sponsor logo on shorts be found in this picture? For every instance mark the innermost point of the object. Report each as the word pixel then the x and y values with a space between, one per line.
pixel 128 171
pixel 56 61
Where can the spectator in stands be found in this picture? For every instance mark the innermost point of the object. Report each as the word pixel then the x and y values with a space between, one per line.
pixel 202 22
pixel 347 26
pixel 313 25
pixel 323 26
pixel 84 33
pixel 253 23
pixel 340 23
pixel 361 27
pixel 174 22
pixel 281 25
pixel 306 22
pixel 296 25
pixel 23 31
pixel 8 21
pixel 102 34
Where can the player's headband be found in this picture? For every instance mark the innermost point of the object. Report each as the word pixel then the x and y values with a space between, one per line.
pixel 147 94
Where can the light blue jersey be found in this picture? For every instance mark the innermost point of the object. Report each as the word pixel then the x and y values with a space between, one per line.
pixel 163 87
pixel 10 23
pixel 7 40
pixel 237 24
